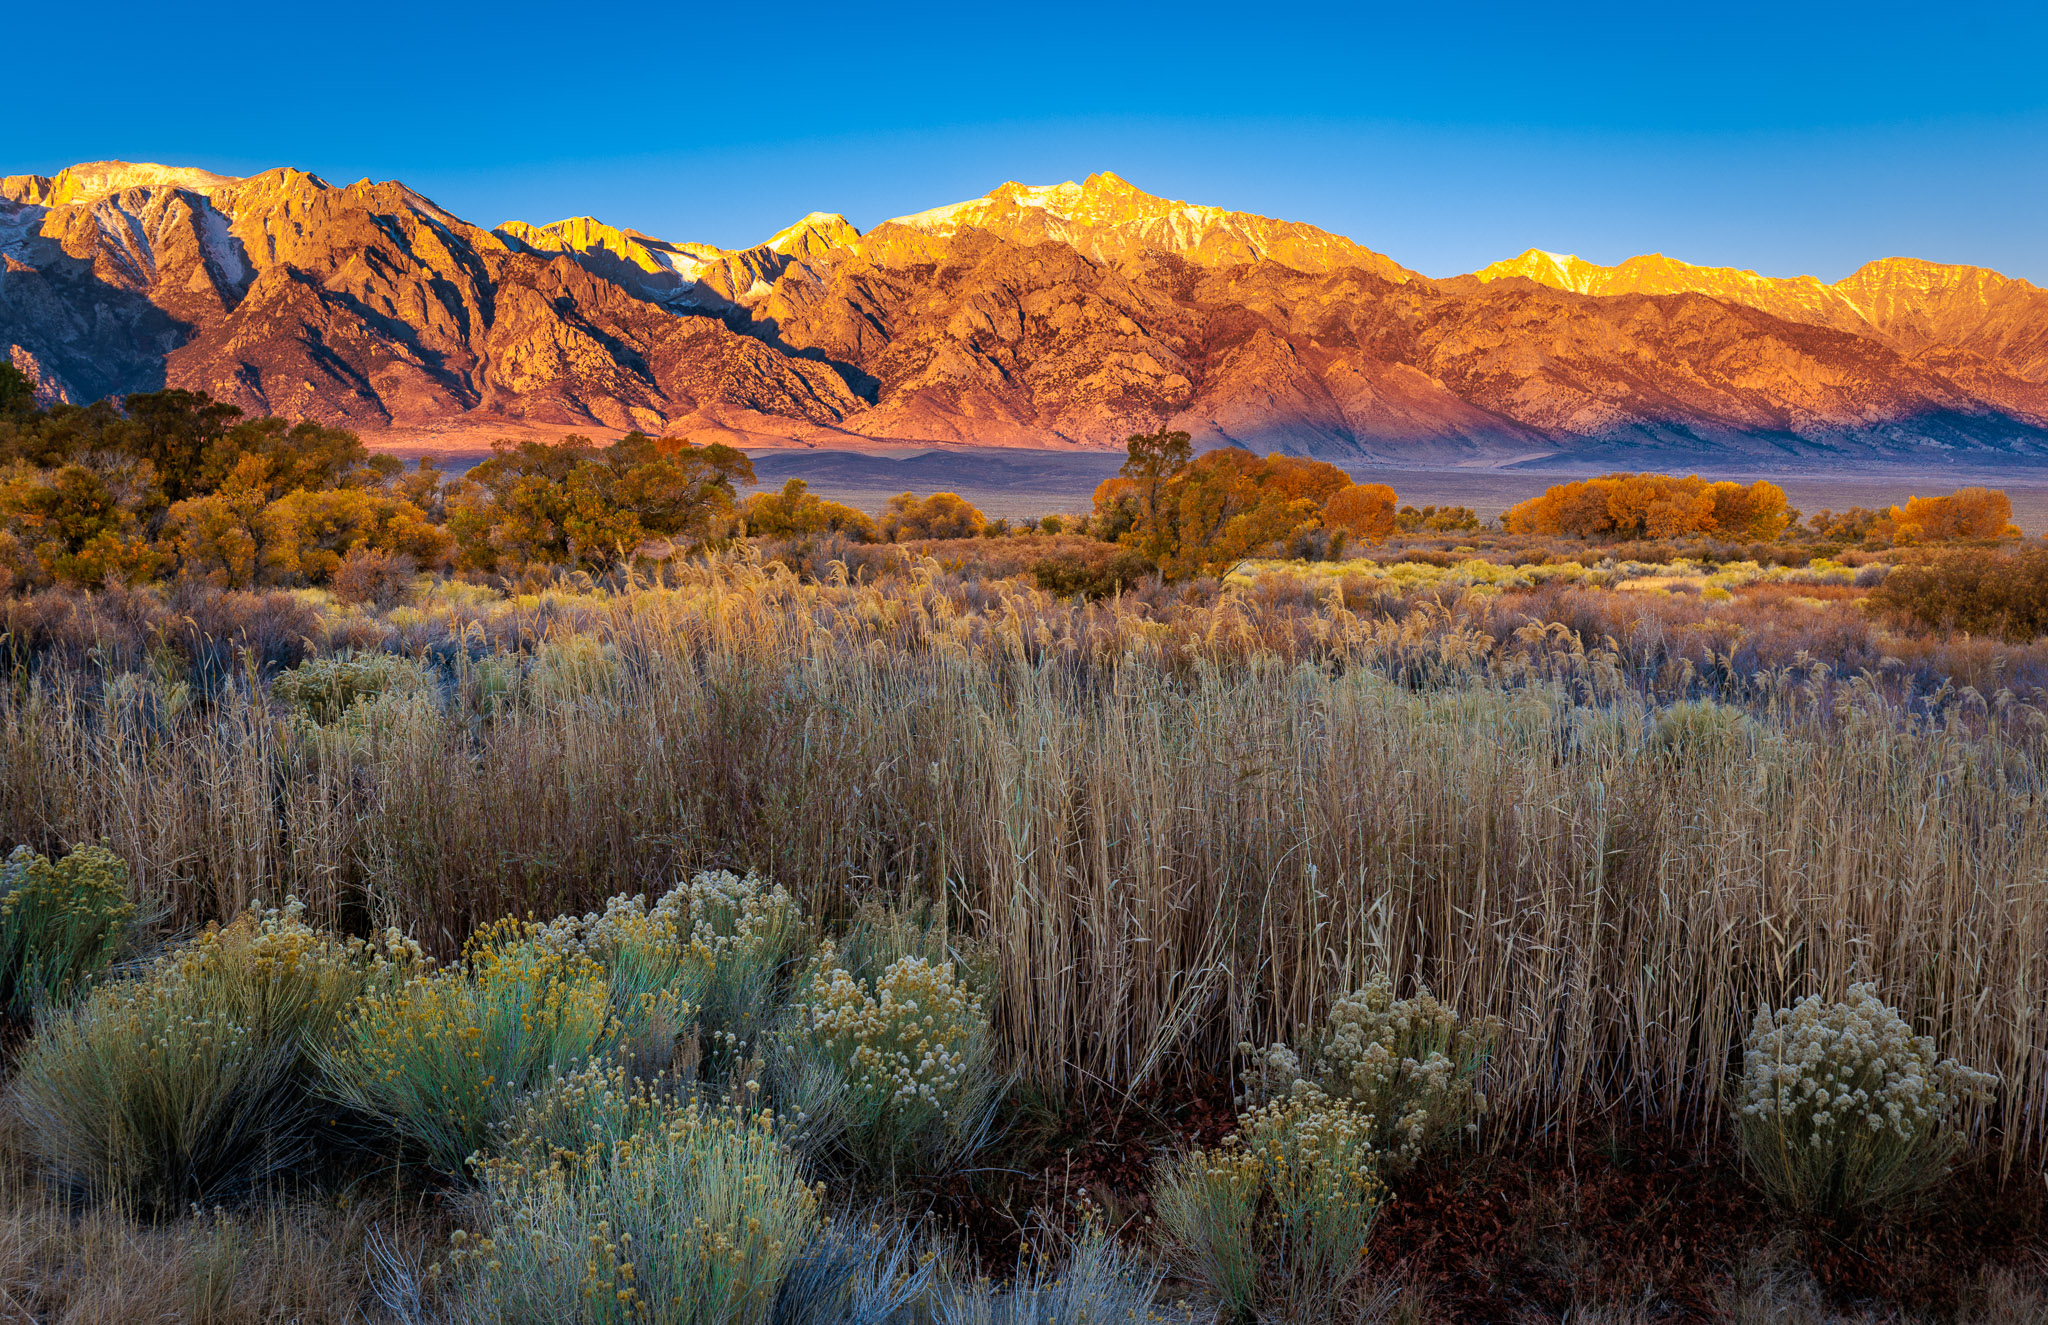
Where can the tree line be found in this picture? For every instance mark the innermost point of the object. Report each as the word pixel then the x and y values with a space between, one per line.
pixel 174 483
pixel 1656 506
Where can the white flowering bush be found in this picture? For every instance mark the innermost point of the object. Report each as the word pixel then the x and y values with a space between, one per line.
pixel 198 1080
pixel 1843 1109
pixel 1410 1064
pixel 744 935
pixel 714 953
pixel 1277 1218
pixel 889 1078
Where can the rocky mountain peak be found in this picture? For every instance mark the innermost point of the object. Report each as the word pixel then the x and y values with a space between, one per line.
pixel 1069 314
pixel 1559 271
pixel 1113 221
pixel 96 179
pixel 816 234
pixel 1912 304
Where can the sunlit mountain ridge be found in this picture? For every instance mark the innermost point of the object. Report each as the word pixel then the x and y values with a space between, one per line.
pixel 1066 315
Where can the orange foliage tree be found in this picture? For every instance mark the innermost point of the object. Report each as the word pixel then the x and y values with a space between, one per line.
pixel 1220 510
pixel 1311 480
pixel 1191 514
pixel 1653 506
pixel 1362 510
pixel 1966 513
pixel 941 515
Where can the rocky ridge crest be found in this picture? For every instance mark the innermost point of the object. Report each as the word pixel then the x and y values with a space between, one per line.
pixel 1063 315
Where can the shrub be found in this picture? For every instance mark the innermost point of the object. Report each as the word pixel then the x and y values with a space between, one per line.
pixel 1987 593
pixel 711 953
pixel 374 576
pixel 890 1076
pixel 654 983
pixel 1099 1284
pixel 796 511
pixel 1072 575
pixel 941 515
pixel 743 934
pixel 670 1212
pixel 196 1081
pixel 1702 728
pixel 324 689
pixel 1963 514
pixel 1843 1109
pixel 1279 1215
pixel 1652 506
pixel 444 1057
pixel 1411 1065
pixel 61 923
pixel 880 936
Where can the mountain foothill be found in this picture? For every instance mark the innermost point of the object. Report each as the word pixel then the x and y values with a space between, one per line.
pixel 1066 317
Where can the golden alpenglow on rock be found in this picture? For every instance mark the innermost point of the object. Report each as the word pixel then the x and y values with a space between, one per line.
pixel 1111 220
pixel 1909 304
pixel 1069 315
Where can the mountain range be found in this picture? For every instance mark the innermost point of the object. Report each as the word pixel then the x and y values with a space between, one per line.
pixel 1065 316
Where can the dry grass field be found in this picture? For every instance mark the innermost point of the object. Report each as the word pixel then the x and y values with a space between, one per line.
pixel 1604 815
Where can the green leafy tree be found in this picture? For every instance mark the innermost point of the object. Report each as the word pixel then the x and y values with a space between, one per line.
pixel 575 503
pixel 797 511
pixel 1152 463
pixel 17 393
pixel 175 431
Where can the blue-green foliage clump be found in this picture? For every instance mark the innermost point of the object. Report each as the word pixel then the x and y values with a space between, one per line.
pixel 61 923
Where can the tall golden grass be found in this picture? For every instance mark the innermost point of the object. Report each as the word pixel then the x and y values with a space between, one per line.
pixel 1176 838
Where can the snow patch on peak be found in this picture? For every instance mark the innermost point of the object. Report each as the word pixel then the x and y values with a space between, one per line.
pixel 221 246
pixel 939 219
pixel 97 179
pixel 1108 181
pixel 814 233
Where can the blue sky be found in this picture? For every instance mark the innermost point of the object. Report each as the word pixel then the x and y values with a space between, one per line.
pixel 1786 138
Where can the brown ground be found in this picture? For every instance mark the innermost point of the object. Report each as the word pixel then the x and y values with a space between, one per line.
pixel 1618 1215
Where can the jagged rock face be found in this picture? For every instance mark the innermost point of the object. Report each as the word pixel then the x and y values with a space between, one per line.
pixel 1920 306
pixel 96 179
pixel 683 276
pixel 1112 221
pixel 366 305
pixel 1913 306
pixel 986 339
pixel 993 340
pixel 1071 315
